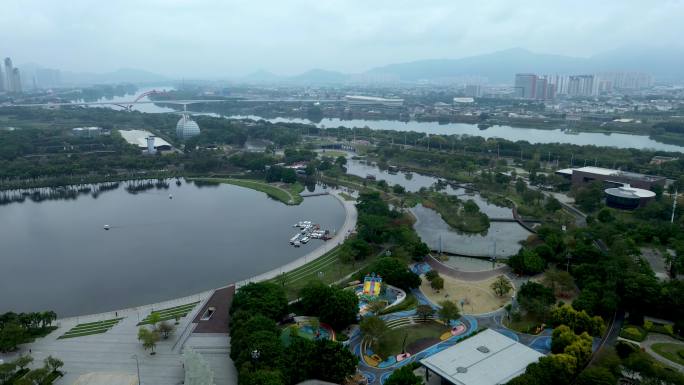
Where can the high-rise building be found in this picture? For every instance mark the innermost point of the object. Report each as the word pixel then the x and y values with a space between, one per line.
pixel 473 90
pixel 9 70
pixel 16 81
pixel 582 85
pixel 525 86
pixel 2 80
pixel 531 86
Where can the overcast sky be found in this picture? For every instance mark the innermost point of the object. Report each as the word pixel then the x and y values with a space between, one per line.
pixel 228 38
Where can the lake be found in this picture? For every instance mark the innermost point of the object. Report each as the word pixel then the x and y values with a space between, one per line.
pixel 436 233
pixel 56 254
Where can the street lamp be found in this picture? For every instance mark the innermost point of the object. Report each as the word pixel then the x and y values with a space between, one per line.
pixel 137 366
pixel 255 357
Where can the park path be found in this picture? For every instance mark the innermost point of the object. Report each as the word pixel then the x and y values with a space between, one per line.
pixel 654 338
pixel 348 227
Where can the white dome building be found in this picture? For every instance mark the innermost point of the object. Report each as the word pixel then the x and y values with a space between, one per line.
pixel 186 127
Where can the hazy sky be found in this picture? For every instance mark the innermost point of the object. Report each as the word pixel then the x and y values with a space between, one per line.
pixel 234 37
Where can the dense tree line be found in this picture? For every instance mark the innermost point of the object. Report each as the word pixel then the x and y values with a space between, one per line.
pixel 262 357
pixel 16 329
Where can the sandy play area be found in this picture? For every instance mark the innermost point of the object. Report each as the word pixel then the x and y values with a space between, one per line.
pixel 477 296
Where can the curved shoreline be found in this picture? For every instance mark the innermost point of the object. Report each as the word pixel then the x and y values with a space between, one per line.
pixel 348 225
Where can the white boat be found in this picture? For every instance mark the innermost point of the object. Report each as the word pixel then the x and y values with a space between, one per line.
pixel 305 239
pixel 294 239
pixel 106 227
pixel 297 244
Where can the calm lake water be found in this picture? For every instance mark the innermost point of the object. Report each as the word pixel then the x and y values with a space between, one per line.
pixel 432 229
pixel 56 254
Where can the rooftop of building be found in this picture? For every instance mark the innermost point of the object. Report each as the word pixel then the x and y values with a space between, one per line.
pixel 487 358
pixel 628 191
pixel 139 138
pixel 610 172
pixel 372 98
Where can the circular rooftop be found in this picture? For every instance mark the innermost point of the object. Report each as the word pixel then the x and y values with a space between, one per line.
pixel 630 192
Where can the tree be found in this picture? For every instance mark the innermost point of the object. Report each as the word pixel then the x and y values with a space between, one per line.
pixel 437 283
pixel 559 281
pixel 23 361
pixel 424 311
pixel 332 305
pixel 165 329
pixel 596 375
pixel 37 376
pixel 501 286
pixel 552 204
pixel 527 261
pixel 6 371
pixel 448 312
pixel 404 376
pixel 375 306
pixel 535 298
pixel 154 318
pixel 149 338
pixel 53 363
pixel 11 335
pixel 395 272
pixel 261 298
pixel 333 362
pixel 261 377
pixel 431 274
pixel 373 327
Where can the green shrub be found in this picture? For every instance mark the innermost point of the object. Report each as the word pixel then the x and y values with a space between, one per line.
pixel 431 274
pixel 648 325
pixel 680 353
pixel 341 337
pixel 670 330
pixel 632 333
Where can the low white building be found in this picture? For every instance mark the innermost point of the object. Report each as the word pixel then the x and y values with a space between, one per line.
pixel 488 358
pixel 139 138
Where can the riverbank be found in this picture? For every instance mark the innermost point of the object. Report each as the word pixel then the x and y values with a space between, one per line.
pixel 289 196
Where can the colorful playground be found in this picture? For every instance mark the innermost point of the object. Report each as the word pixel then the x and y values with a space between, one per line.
pixel 410 338
pixel 309 328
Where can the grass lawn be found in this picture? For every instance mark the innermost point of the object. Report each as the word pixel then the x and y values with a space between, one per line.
pixel 391 342
pixel 179 311
pixel 347 197
pixel 89 328
pixel 328 269
pixel 527 324
pixel 288 195
pixel 673 352
pixel 409 302
pixel 332 153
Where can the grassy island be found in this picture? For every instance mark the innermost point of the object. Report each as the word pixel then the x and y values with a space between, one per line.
pixel 461 215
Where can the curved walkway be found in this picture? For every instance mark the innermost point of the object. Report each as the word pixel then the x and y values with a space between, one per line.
pixel 465 275
pixel 654 338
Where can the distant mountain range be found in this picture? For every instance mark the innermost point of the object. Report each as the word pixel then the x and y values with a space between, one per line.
pixel 501 67
pixel 498 68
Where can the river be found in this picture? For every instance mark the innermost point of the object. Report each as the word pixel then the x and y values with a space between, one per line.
pixel 56 254
pixel 532 135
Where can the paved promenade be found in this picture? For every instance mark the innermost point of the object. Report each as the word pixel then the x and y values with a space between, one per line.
pixel 115 351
